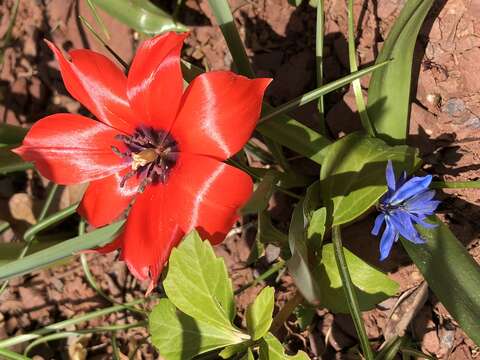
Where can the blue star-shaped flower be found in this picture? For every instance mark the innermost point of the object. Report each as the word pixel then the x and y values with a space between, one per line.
pixel 407 202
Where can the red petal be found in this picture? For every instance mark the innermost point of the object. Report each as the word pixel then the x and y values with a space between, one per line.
pixel 70 149
pixel 155 82
pixel 201 193
pixel 104 200
pixel 99 85
pixel 218 114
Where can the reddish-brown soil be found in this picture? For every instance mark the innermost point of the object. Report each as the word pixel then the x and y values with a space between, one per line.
pixel 280 39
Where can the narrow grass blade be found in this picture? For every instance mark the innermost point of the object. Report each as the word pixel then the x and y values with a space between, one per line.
pixel 319 40
pixel 223 15
pixel 357 89
pixel 61 251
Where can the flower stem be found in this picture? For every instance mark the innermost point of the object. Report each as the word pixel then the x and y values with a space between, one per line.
pixel 455 184
pixel 350 293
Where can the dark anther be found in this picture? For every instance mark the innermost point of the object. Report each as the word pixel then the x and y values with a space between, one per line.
pixel 151 153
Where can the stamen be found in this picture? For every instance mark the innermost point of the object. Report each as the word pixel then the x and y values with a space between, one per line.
pixel 152 154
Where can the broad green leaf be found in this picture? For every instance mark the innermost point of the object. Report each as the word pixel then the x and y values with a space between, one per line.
pixel 305 315
pixel 372 285
pixel 272 349
pixel 389 88
pixel 11 135
pixel 248 355
pixel 140 15
pixel 353 174
pixel 179 337
pixel 61 251
pixel 302 263
pixel 451 273
pixel 10 162
pixel 235 349
pixel 316 228
pixel 197 283
pixel 259 313
pixel 262 194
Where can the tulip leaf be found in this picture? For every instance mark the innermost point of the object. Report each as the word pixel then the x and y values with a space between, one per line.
pixel 178 336
pixel 140 15
pixel 267 233
pixel 353 174
pixel 389 88
pixel 372 286
pixel 11 162
pixel 271 349
pixel 235 349
pixel 10 251
pixel 197 283
pixel 451 273
pixel 262 194
pixel 302 264
pixel 60 251
pixel 11 135
pixel 259 313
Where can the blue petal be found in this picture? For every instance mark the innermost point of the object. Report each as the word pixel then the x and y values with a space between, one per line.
pixel 419 220
pixel 402 180
pixel 378 224
pixel 390 175
pixel 422 202
pixel 403 224
pixel 410 188
pixel 389 236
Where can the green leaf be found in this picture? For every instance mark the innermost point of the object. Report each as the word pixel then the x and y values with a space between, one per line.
pixel 372 286
pixel 262 194
pixel 353 174
pixel 267 233
pixel 11 162
pixel 451 273
pixel 61 251
pixel 248 355
pixel 302 265
pixel 389 89
pixel 140 15
pixel 272 349
pixel 178 336
pixel 197 283
pixel 9 251
pixel 232 350
pixel 259 313
pixel 11 135
pixel 295 2
pixel 304 314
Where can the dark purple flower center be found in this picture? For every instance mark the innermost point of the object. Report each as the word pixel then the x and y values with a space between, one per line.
pixel 152 154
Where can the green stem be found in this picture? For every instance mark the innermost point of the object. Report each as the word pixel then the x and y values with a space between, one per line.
pixel 319 39
pixel 350 293
pixel 322 90
pixel 455 184
pixel 274 269
pixel 48 202
pixel 357 89
pixel 67 323
pixel 223 15
pixel 115 349
pixel 49 221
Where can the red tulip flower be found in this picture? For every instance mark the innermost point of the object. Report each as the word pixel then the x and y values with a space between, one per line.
pixel 154 145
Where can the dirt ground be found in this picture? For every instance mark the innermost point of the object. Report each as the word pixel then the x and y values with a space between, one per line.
pixel 280 39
